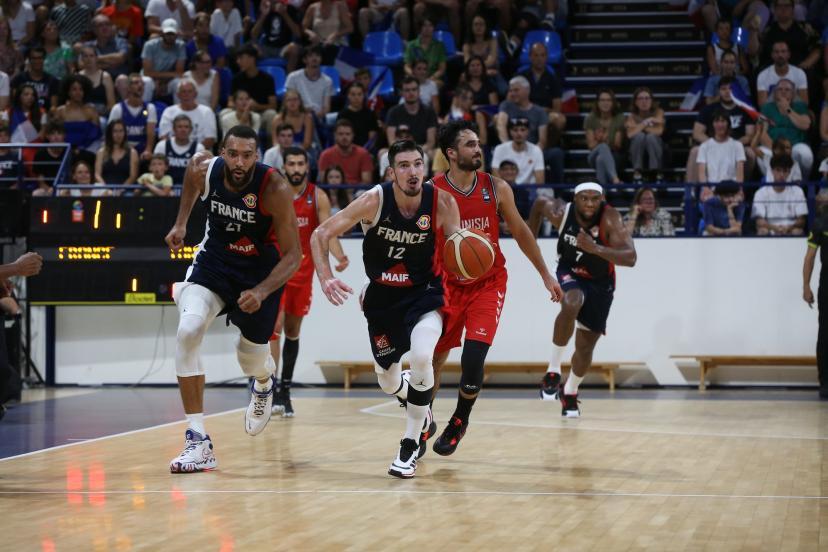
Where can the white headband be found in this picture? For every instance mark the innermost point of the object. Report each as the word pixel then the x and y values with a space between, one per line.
pixel 588 186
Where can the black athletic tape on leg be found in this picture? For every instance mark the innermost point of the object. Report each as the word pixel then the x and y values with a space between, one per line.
pixel 290 350
pixel 419 398
pixel 472 362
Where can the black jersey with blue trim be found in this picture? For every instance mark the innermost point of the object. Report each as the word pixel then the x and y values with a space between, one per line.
pixel 579 262
pixel 399 251
pixel 238 231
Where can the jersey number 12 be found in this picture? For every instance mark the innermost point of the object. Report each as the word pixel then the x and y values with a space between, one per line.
pixel 396 252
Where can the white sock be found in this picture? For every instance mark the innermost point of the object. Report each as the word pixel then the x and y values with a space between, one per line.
pixel 572 383
pixel 555 359
pixel 415 417
pixel 263 387
pixel 196 423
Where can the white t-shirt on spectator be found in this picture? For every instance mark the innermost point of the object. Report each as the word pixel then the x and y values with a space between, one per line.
pixel 159 9
pixel 18 25
pixel 768 78
pixel 528 161
pixel 161 147
pixel 226 28
pixel 720 159
pixel 428 90
pixel 780 207
pixel 273 157
pixel 202 117
pixel 313 92
pixel 4 85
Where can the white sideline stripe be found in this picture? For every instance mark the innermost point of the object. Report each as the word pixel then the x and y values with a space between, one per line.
pixel 605 494
pixel 84 441
pixel 372 410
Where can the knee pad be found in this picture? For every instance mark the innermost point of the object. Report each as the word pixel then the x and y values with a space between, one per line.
pixel 424 338
pixel 471 362
pixel 393 380
pixel 254 358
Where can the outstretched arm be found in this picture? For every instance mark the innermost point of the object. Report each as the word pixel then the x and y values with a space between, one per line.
pixel 277 201
pixel 364 208
pixel 621 250
pixel 523 235
pixel 193 187
pixel 323 211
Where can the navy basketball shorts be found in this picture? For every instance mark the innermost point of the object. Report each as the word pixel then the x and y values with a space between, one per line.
pixel 228 284
pixel 597 299
pixel 392 314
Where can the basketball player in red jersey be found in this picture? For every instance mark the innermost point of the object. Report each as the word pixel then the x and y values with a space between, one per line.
pixel 312 208
pixel 475 305
pixel 592 240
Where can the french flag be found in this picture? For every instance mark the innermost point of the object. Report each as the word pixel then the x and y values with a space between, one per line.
pixel 348 60
pixel 691 99
pixel 742 100
pixel 569 101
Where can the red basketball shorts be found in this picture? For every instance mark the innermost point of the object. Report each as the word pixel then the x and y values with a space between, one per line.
pixel 475 307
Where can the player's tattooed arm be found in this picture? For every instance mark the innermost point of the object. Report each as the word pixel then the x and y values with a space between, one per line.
pixel 524 237
pixel 621 249
pixel 323 211
pixel 194 178
pixel 363 209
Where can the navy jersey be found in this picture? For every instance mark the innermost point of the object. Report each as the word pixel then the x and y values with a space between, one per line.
pixel 136 126
pixel 583 264
pixel 398 251
pixel 178 161
pixel 239 234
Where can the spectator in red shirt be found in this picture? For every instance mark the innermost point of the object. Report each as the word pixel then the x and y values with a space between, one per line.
pixel 127 18
pixel 355 160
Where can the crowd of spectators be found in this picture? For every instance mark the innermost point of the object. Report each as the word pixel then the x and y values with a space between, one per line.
pixel 137 86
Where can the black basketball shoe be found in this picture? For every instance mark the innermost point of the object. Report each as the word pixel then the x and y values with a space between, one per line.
pixel 447 442
pixel 569 404
pixel 429 429
pixel 287 406
pixel 549 386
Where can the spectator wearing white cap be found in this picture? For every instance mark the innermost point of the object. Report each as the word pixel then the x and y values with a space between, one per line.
pixel 158 11
pixel 163 58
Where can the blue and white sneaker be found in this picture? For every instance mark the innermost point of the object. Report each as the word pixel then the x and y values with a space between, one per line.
pixel 197 454
pixel 259 409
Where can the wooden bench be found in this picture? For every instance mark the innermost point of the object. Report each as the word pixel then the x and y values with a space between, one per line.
pixel 352 369
pixel 709 362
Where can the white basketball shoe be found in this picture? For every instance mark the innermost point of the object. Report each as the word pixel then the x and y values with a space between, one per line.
pixel 259 409
pixel 405 464
pixel 197 454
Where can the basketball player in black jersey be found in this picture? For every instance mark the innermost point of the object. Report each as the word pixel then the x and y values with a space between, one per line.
pixel 403 221
pixel 592 240
pixel 238 270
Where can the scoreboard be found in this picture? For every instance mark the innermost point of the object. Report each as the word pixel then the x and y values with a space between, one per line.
pixel 108 250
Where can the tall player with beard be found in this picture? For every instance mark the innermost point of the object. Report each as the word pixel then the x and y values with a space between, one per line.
pixel 592 240
pixel 237 271
pixel 312 208
pixel 475 305
pixel 404 222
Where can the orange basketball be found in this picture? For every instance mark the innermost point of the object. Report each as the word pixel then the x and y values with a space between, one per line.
pixel 468 253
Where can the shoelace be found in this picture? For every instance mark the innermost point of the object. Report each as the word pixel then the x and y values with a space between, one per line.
pixel 261 403
pixel 190 446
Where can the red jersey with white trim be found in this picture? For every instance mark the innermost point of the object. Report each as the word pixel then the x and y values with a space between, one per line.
pixel 478 209
pixel 307 218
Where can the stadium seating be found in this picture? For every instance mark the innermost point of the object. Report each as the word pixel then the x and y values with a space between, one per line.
pixel 553 45
pixel 279 77
pixel 387 47
pixel 331 71
pixel 448 42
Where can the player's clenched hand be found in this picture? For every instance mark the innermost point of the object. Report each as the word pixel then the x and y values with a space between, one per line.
pixel 554 288
pixel 336 290
pixel 343 264
pixel 28 264
pixel 175 238
pixel 250 300
pixel 586 243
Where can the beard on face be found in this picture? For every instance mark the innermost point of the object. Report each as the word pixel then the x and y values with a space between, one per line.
pixel 296 178
pixel 469 164
pixel 405 186
pixel 238 183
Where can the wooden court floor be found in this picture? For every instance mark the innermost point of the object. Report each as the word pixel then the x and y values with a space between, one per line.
pixel 634 473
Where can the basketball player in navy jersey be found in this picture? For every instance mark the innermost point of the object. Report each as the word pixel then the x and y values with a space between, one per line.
pixel 404 221
pixel 592 240
pixel 237 271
